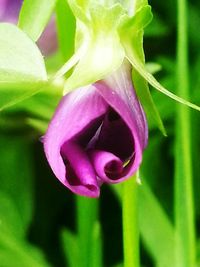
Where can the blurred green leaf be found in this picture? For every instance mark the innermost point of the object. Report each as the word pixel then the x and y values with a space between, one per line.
pixel 96 248
pixel 13 93
pixel 66 25
pixel 38 124
pixel 34 16
pixel 14 250
pixel 194 22
pixel 153 67
pixel 53 62
pixel 41 105
pixel 20 60
pixel 16 203
pixel 16 175
pixel 10 219
pixel 119 265
pixel 71 249
pixel 157 28
pixel 22 68
pixel 198 253
pixel 155 225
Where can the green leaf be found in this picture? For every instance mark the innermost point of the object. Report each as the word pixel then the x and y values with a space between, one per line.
pixel 16 177
pixel 38 124
pixel 22 68
pixel 41 105
pixel 34 16
pixel 13 93
pixel 96 248
pixel 20 59
pixel 157 228
pixel 71 249
pixel 16 204
pixel 198 252
pixel 11 221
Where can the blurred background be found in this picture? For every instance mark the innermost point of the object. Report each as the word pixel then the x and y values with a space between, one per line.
pixel 38 216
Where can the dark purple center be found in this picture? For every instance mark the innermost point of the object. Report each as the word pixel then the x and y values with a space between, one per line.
pixel 107 133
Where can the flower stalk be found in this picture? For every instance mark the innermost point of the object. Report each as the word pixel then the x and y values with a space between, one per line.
pixel 87 217
pixel 184 207
pixel 130 223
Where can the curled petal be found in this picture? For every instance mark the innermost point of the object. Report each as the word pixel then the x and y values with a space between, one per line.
pixel 98 134
pixel 107 165
pixel 79 170
pixel 76 119
pixel 118 92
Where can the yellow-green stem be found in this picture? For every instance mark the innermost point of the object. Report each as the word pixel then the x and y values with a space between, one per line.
pixel 184 209
pixel 130 223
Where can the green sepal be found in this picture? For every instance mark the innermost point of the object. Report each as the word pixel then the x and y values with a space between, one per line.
pixel 132 39
pixel 99 43
pixel 131 34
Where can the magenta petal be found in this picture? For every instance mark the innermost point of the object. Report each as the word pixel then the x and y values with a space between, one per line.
pixel 98 134
pixel 118 92
pixel 3 4
pixel 82 175
pixel 72 118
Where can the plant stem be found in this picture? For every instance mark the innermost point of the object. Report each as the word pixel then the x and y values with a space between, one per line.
pixel 130 223
pixel 184 209
pixel 87 217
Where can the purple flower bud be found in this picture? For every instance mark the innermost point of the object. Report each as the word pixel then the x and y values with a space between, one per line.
pixel 97 135
pixel 9 12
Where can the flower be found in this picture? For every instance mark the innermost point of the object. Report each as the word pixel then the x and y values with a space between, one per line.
pixel 9 12
pixel 97 135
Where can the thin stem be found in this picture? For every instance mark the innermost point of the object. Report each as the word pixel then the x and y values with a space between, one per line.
pixel 184 207
pixel 130 223
pixel 87 218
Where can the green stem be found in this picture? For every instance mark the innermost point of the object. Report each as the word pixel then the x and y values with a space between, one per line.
pixel 87 218
pixel 130 223
pixel 184 207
